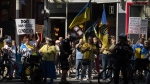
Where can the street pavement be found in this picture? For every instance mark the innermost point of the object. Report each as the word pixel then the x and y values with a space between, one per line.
pixel 56 81
pixel 72 80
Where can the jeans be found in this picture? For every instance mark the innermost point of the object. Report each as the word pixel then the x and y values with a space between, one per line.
pixel 78 65
pixel 84 67
pixel 106 61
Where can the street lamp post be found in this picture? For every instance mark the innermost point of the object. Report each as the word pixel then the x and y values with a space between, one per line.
pixel 17 16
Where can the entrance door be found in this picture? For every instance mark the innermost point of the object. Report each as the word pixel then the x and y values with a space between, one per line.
pixel 57 28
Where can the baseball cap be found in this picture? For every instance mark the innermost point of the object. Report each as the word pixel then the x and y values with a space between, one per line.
pixel 8 40
pixel 49 39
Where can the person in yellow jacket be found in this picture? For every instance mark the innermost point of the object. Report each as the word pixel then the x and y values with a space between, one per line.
pixel 49 60
pixel 89 50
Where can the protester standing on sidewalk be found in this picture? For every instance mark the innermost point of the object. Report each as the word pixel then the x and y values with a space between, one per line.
pixel 25 49
pixel 12 53
pixel 88 49
pixel 49 60
pixel 65 52
pixel 107 55
pixel 33 41
pixel 57 45
pixel 97 57
pixel 79 57
pixel 123 52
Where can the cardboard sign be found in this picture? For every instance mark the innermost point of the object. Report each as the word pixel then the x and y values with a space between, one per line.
pixel 144 26
pixel 134 25
pixel 39 28
pixel 25 26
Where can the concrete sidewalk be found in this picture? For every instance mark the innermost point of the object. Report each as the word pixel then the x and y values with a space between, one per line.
pixel 72 80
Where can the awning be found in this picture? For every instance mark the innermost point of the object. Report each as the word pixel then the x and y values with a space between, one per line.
pixel 107 1
pixel 84 1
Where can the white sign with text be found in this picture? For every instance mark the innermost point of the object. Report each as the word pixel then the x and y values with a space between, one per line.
pixel 144 26
pixel 134 25
pixel 25 26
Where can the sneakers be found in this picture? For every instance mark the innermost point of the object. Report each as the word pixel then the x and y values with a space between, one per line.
pixel 76 78
pixel 84 79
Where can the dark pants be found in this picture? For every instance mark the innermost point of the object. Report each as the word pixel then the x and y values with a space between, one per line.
pixel 106 62
pixel 97 63
pixel 120 65
pixel 148 79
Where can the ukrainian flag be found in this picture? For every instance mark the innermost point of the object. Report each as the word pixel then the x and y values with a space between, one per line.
pixel 84 37
pixel 82 16
pixel 93 26
pixel 103 30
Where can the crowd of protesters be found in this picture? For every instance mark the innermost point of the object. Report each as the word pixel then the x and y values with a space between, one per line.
pixel 61 55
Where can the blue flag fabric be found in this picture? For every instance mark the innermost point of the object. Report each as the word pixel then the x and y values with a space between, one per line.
pixel 103 20
pixel 103 30
pixel 23 2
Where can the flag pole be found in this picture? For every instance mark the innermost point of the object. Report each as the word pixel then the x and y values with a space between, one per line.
pixel 103 6
pixel 86 21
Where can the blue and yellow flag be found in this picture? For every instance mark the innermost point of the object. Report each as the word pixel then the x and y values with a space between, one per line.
pixel 92 27
pixel 103 30
pixel 84 37
pixel 82 16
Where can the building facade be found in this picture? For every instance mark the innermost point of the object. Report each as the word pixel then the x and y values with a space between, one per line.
pixel 62 14
pixel 59 15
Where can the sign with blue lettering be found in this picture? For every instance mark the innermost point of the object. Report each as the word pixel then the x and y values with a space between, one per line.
pixel 25 26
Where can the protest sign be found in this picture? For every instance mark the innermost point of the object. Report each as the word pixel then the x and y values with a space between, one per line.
pixel 39 28
pixel 25 26
pixel 144 26
pixel 134 25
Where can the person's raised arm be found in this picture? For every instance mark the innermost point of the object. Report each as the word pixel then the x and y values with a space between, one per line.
pixel 38 37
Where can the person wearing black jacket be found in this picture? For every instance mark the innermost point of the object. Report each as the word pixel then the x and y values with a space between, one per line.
pixel 65 52
pixel 123 52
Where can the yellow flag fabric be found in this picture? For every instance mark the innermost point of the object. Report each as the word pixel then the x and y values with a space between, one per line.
pixel 138 53
pixel 84 38
pixel 103 30
pixel 103 35
pixel 83 16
